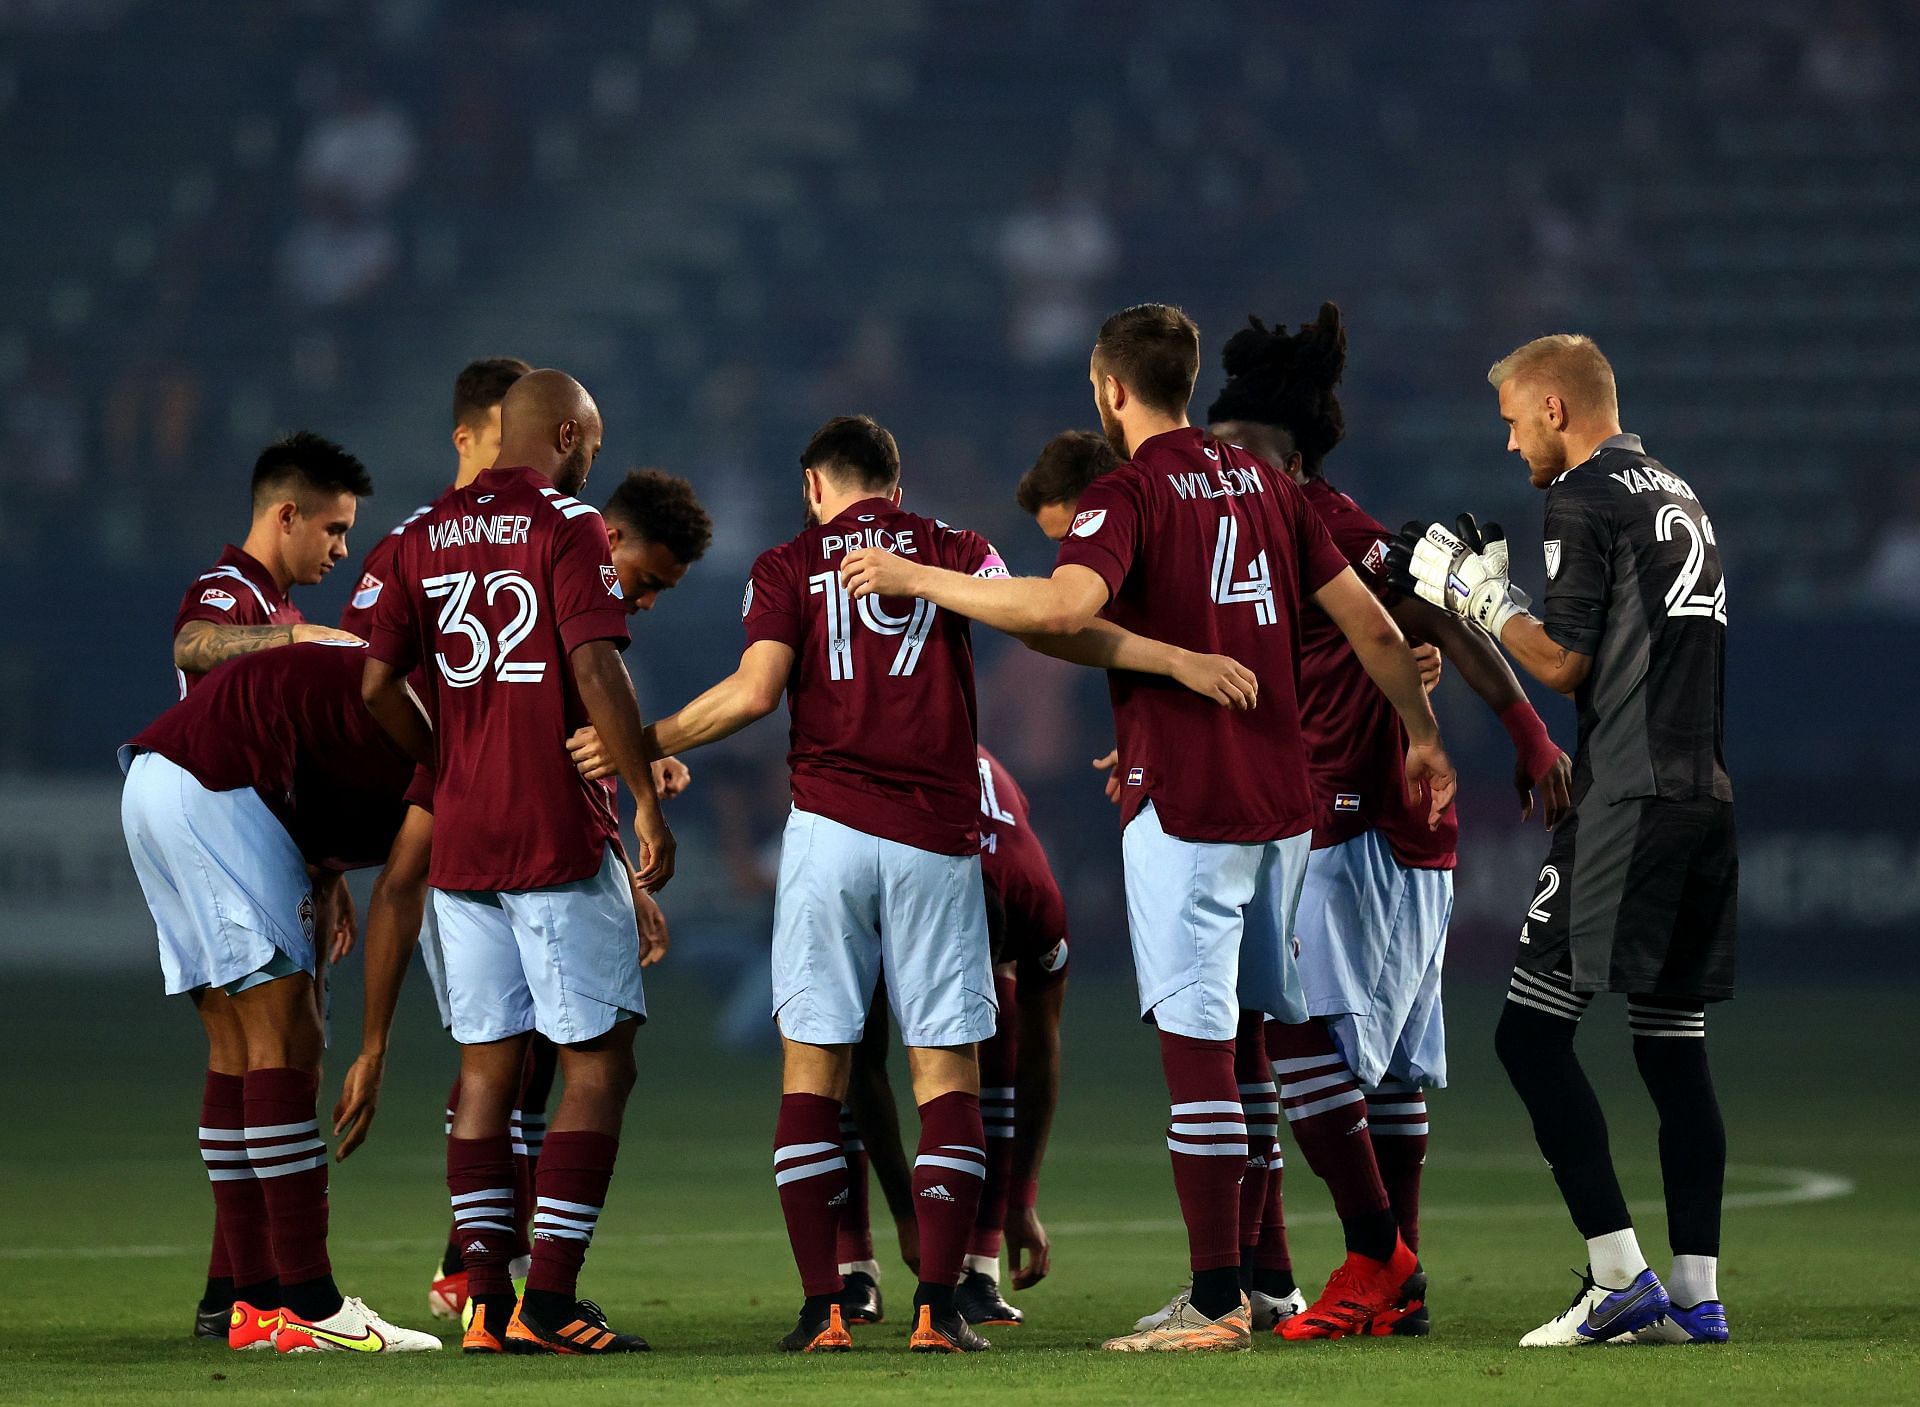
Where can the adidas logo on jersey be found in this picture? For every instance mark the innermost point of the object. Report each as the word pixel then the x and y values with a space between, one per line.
pixel 938 1192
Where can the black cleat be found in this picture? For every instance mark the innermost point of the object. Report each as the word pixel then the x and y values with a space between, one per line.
pixel 1412 1325
pixel 582 1329
pixel 977 1297
pixel 860 1300
pixel 817 1333
pixel 212 1323
pixel 951 1334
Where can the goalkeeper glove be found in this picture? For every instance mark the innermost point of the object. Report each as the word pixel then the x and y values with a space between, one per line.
pixel 1465 574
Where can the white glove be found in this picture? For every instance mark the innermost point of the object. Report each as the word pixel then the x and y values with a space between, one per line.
pixel 1473 584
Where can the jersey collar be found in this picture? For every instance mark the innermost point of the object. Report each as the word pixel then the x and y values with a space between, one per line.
pixel 1630 443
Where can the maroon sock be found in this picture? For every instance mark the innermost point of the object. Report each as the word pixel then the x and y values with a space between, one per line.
pixel 453 1227
pixel 999 1066
pixel 853 1235
pixel 575 1169
pixel 480 1181
pixel 949 1170
pixel 290 1160
pixel 1270 1259
pixel 242 1247
pixel 1397 1119
pixel 1261 1104
pixel 1327 1117
pixel 1208 1140
pixel 810 1172
pixel 527 1126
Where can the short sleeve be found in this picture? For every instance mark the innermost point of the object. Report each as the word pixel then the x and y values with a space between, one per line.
pixel 393 631
pixel 1364 543
pixel 420 789
pixel 1579 552
pixel 771 608
pixel 1321 559
pixel 220 602
pixel 587 604
pixel 1105 533
pixel 971 553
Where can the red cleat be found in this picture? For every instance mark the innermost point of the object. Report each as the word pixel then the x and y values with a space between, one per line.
pixel 1363 1297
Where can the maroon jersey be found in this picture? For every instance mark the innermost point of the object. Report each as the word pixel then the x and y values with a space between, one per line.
pixel 1356 744
pixel 290 724
pixel 490 593
pixel 376 568
pixel 237 590
pixel 1205 547
pixel 881 694
pixel 1015 868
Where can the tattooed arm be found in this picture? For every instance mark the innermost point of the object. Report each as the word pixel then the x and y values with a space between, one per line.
pixel 201 644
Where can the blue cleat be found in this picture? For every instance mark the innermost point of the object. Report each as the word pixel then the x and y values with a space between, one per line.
pixel 1705 1322
pixel 1599 1315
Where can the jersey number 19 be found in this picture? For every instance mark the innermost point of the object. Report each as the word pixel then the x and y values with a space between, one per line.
pixel 913 628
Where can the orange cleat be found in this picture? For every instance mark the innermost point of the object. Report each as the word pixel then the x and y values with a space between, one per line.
pixel 1187 1330
pixel 584 1330
pixel 487 1326
pixel 949 1335
pixel 827 1335
pixel 249 1327
pixel 1363 1297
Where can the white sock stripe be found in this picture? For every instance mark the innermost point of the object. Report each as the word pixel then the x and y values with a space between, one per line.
pixel 1650 1033
pixel 1208 1106
pixel 555 1204
pixel 1277 1161
pixel 1208 1150
pixel 1560 980
pixel 1307 1062
pixel 547 1221
pixel 257 1156
pixel 1559 1011
pixel 805 1170
pixel 963 1148
pixel 801 1150
pixel 466 1226
pixel 319 1160
pixel 492 1206
pixel 520 1150
pixel 999 1130
pixel 208 1135
pixel 1300 1089
pixel 223 1155
pixel 492 1194
pixel 1388 1130
pixel 282 1130
pixel 560 1233
pixel 1320 1106
pixel 997 1092
pixel 1222 1126
pixel 1261 1106
pixel 1262 1087
pixel 965 1165
pixel 1524 984
pixel 1265 1130
pixel 228 1174
pixel 1418 1106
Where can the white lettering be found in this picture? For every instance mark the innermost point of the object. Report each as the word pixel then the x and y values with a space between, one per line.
pixel 901 542
pixel 500 529
pixel 1224 482
pixel 1644 478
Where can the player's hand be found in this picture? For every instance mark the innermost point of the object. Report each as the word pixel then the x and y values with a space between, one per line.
pixel 1110 764
pixel 587 754
pixel 359 1097
pixel 908 1230
pixel 671 777
pixel 650 923
pixel 1555 785
pixel 1464 573
pixel 874 571
pixel 305 634
pixel 1428 660
pixel 656 846
pixel 1429 763
pixel 1024 1233
pixel 1225 681
pixel 346 926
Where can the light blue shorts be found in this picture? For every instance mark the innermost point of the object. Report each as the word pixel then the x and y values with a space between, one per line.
pixel 1373 937
pixel 1212 928
pixel 226 884
pixel 563 961
pixel 433 958
pixel 851 905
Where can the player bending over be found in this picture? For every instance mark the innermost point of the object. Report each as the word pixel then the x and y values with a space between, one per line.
pixel 1196 542
pixel 1638 892
pixel 271 765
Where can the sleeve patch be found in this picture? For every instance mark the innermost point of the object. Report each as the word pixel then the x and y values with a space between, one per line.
pixel 1088 523
pixel 610 579
pixel 993 566
pixel 746 599
pixel 218 599
pixel 1553 559
pixel 367 592
pixel 1376 559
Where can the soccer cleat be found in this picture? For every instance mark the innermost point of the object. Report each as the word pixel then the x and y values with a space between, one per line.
pixel 1164 1312
pixel 1416 1323
pixel 486 1330
pixel 1363 1296
pixel 210 1323
pixel 447 1294
pixel 1705 1322
pixel 584 1330
pixel 859 1299
pixel 951 1334
pixel 352 1328
pixel 252 1328
pixel 816 1335
pixel 978 1299
pixel 517 1270
pixel 1599 1315
pixel 1270 1311
pixel 1187 1330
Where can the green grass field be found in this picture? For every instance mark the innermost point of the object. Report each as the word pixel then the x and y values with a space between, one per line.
pixel 106 1215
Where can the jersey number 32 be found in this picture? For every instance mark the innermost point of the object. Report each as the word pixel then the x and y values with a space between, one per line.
pixel 455 591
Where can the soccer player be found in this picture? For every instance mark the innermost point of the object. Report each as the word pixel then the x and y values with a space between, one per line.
pixel 305 493
pixel 1195 542
pixel 507 594
pixel 1373 917
pixel 1638 892
pixel 880 864
pixel 270 766
pixel 1019 1075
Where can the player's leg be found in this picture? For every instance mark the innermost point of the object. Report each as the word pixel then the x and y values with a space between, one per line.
pixel 242 1270
pixel 528 1129
pixel 870 1140
pixel 978 1294
pixel 447 1288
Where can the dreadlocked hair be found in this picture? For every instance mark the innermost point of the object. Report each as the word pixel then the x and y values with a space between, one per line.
pixel 1276 377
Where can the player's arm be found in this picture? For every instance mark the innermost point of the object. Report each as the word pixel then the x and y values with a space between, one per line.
pixel 746 696
pixel 1062 604
pixel 1383 653
pixel 1104 645
pixel 393 929
pixel 607 691
pixel 1036 1096
pixel 383 688
pixel 199 645
pixel 1553 664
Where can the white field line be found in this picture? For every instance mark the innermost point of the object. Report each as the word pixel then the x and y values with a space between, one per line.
pixel 1796 1185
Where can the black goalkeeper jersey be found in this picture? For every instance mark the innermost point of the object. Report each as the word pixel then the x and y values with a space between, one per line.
pixel 1634 580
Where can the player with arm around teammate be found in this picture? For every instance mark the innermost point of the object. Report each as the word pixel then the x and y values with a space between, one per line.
pixel 1639 890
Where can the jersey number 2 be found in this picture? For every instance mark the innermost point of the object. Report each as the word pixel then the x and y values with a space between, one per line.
pixel 1255 588
pixel 455 591
pixel 1684 598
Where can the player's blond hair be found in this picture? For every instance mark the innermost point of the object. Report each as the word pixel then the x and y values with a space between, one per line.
pixel 1566 363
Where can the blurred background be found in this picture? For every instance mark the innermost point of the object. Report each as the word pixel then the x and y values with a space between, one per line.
pixel 733 218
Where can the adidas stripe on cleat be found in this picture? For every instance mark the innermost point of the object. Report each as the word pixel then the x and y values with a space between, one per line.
pixel 250 1328
pixel 583 1331
pixel 950 1334
pixel 1363 1297
pixel 814 1334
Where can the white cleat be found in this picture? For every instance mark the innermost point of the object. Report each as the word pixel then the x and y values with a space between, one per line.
pixel 1165 1312
pixel 353 1328
pixel 1269 1312
pixel 1187 1330
pixel 1599 1315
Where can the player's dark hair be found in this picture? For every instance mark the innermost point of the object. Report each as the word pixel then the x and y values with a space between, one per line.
pixel 662 509
pixel 1153 350
pixel 481 385
pixel 1288 379
pixel 854 450
pixel 1070 461
pixel 306 463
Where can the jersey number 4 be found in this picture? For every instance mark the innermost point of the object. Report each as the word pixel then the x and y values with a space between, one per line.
pixel 1684 597
pixel 913 628
pixel 1255 588
pixel 455 593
